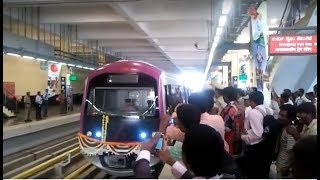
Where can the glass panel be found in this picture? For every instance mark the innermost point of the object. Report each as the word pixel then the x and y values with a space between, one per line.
pixel 123 101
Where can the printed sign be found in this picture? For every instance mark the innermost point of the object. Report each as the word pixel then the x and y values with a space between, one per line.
pixel 292 44
pixel 53 78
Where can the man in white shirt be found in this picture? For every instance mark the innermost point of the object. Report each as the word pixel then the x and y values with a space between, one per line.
pixel 285 99
pixel 38 105
pixel 256 162
pixel 247 105
pixel 45 97
pixel 301 98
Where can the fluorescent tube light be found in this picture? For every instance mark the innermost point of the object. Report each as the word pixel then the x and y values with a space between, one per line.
pixel 219 31
pixel 13 54
pixel 28 57
pixel 40 59
pixel 222 20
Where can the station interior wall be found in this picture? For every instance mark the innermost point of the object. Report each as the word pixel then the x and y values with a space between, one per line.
pixel 27 76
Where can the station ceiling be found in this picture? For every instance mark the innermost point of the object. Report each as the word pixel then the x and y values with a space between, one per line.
pixel 173 35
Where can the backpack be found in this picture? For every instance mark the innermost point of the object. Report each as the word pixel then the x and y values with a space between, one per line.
pixel 271 131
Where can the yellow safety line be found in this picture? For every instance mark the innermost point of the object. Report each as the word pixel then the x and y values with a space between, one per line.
pixel 77 172
pixel 45 165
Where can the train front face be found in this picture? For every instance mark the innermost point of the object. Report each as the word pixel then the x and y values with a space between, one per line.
pixel 121 110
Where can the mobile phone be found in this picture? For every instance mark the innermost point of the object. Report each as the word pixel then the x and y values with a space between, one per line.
pixel 159 144
pixel 171 121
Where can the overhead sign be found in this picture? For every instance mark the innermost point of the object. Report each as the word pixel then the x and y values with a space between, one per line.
pixel 73 78
pixel 292 44
pixel 243 77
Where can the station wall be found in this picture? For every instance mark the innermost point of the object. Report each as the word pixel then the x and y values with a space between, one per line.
pixel 27 76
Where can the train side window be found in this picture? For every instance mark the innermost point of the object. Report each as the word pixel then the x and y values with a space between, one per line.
pixel 167 89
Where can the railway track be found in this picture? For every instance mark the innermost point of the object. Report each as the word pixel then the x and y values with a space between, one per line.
pixel 59 159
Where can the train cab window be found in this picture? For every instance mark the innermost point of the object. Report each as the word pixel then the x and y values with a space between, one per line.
pixel 123 101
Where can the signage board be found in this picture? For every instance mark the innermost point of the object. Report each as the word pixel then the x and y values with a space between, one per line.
pixel 292 44
pixel 243 77
pixel 73 78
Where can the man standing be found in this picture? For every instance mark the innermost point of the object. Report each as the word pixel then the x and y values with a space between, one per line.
pixel 256 159
pixel 38 105
pixel 301 97
pixel 27 107
pixel 63 102
pixel 286 142
pixel 45 97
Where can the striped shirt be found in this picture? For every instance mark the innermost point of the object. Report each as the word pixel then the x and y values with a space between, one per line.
pixel 285 145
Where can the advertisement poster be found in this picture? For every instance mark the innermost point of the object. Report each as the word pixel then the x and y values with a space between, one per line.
pixel 258 42
pixel 53 78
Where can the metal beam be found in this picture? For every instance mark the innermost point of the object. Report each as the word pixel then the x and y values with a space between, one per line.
pixel 293 28
pixel 219 63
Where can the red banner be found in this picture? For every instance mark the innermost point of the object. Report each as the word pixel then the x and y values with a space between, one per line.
pixel 292 44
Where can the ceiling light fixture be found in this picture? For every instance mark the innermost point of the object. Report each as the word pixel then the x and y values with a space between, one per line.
pixel 40 59
pixel 219 31
pixel 79 66
pixel 28 57
pixel 13 54
pixel 62 63
pixel 216 39
pixel 222 20
pixel 226 6
pixel 53 62
pixel 71 65
pixel 273 20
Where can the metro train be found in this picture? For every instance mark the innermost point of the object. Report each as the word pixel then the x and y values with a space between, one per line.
pixel 121 107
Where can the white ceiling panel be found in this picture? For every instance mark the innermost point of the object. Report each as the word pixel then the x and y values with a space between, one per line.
pixel 79 14
pixel 157 10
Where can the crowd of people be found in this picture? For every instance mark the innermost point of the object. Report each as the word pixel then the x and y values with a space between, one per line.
pixel 224 132
pixel 41 105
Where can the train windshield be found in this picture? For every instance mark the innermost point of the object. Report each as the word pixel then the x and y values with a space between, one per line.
pixel 122 101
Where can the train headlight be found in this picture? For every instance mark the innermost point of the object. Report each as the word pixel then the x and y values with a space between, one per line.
pixel 143 135
pixel 98 134
pixel 89 133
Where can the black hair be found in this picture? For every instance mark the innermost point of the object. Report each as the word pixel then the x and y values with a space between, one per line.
pixel 301 90
pixel 241 92
pixel 285 96
pixel 308 108
pixel 287 91
pixel 231 93
pixel 203 150
pixel 255 89
pixel 291 110
pixel 202 101
pixel 189 115
pixel 315 88
pixel 209 92
pixel 304 153
pixel 310 96
pixel 256 97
